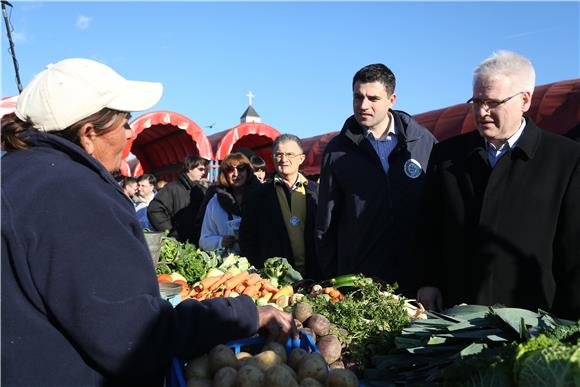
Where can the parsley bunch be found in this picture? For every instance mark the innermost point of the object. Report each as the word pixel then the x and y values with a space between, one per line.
pixel 372 317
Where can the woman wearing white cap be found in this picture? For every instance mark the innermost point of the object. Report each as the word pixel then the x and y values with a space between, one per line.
pixel 80 300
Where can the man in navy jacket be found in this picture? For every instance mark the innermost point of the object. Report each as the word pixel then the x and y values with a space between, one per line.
pixel 370 183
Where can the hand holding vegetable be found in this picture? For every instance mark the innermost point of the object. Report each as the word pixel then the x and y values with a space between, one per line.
pixel 430 297
pixel 278 325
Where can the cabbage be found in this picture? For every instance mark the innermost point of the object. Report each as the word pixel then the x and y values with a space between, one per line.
pixel 555 366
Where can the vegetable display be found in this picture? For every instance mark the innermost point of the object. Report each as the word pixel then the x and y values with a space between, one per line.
pixel 476 345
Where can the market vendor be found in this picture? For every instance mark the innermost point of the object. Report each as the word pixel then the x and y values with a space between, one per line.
pixel 80 300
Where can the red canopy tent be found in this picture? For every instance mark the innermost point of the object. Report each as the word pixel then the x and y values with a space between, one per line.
pixel 313 149
pixel 161 141
pixel 256 136
pixel 7 105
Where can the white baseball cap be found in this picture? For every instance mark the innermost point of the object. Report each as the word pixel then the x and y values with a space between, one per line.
pixel 73 89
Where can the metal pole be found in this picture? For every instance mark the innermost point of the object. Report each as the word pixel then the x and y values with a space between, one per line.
pixel 12 52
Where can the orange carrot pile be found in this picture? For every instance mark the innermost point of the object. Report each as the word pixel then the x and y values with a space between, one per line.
pixel 223 286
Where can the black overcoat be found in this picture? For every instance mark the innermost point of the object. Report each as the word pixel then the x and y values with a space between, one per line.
pixel 263 233
pixel 508 235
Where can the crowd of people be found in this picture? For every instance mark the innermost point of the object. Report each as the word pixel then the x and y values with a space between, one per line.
pixel 489 217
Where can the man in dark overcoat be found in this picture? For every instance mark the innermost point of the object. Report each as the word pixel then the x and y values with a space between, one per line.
pixel 278 216
pixel 502 204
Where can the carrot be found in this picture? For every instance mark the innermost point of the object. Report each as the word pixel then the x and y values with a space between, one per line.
pixel 236 280
pixel 327 290
pixel 220 281
pixel 268 286
pixel 251 291
pixel 334 294
pixel 253 278
pixel 208 281
pixel 240 288
pixel 227 292
pixel 193 293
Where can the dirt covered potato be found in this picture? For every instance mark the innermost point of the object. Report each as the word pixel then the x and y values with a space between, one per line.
pixel 197 368
pixel 221 356
pixel 278 348
pixel 295 357
pixel 330 348
pixel 302 311
pixel 196 382
pixel 267 359
pixel 249 376
pixel 313 365
pixel 319 324
pixel 280 376
pixel 309 382
pixel 341 377
pixel 225 377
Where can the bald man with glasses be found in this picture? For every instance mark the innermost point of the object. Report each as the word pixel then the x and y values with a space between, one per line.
pixel 501 219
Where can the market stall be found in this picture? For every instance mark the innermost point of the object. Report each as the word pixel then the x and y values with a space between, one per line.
pixel 255 136
pixel 162 139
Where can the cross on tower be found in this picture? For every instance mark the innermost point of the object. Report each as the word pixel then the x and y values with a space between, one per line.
pixel 250 96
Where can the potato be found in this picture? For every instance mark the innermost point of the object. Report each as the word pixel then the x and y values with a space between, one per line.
pixel 313 365
pixel 280 376
pixel 309 332
pixel 221 356
pixel 319 324
pixel 267 359
pixel 197 368
pixel 295 357
pixel 248 361
pixel 243 355
pixel 330 348
pixel 292 372
pixel 278 348
pixel 302 311
pixel 249 376
pixel 341 378
pixel 197 382
pixel 225 377
pixel 309 382
pixel 337 364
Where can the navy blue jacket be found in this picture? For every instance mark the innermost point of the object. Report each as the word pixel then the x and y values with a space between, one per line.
pixel 366 217
pixel 80 300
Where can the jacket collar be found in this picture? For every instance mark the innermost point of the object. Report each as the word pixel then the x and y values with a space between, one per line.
pixel 526 146
pixel 406 128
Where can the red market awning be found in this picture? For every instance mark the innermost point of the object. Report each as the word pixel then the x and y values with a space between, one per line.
pixel 555 107
pixel 314 149
pixel 256 136
pixel 7 105
pixel 161 141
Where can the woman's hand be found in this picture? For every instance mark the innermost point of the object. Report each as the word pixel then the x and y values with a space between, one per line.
pixel 278 325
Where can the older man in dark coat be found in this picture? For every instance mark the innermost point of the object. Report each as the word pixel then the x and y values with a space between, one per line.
pixel 278 217
pixel 502 209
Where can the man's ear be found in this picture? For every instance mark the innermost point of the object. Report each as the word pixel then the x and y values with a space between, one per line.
pixel 86 138
pixel 527 101
pixel 392 100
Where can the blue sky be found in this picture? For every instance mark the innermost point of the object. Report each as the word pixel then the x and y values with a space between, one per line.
pixel 297 58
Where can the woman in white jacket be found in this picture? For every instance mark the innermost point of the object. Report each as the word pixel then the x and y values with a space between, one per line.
pixel 221 221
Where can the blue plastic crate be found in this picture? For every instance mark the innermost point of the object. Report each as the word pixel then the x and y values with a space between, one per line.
pixel 176 378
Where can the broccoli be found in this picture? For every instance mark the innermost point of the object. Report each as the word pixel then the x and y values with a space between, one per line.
pixel 280 272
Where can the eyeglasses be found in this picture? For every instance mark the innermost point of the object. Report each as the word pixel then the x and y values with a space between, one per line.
pixel 279 155
pixel 239 168
pixel 490 104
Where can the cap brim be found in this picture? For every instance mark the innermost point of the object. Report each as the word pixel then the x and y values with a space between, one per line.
pixel 137 96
